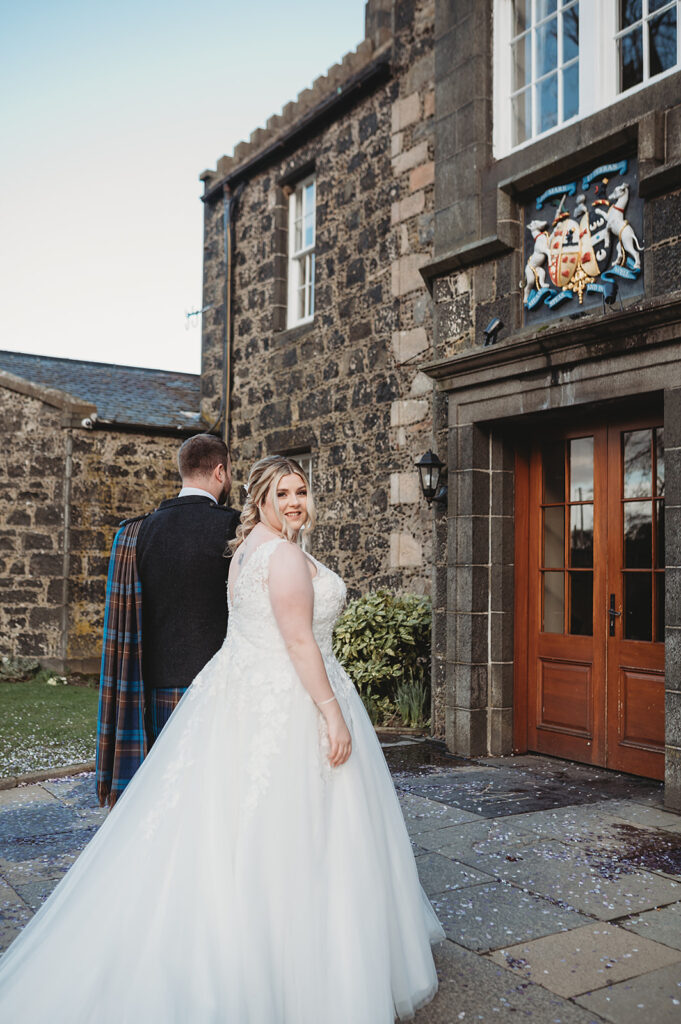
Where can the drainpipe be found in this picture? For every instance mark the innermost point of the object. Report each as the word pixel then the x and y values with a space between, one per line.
pixel 66 558
pixel 229 211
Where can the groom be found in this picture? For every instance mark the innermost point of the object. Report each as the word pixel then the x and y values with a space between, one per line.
pixel 166 610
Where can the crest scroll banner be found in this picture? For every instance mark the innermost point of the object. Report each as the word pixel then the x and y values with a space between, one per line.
pixel 581 236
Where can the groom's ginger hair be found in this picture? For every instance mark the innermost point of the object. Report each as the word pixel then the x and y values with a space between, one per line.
pixel 199 455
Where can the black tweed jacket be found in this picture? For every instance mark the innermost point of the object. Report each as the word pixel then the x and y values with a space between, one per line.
pixel 183 572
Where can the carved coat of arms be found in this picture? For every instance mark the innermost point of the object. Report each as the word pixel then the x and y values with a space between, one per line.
pixel 583 248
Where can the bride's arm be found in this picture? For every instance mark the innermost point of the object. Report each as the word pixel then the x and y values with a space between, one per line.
pixel 292 597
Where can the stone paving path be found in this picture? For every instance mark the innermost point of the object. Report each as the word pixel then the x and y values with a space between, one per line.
pixel 558 885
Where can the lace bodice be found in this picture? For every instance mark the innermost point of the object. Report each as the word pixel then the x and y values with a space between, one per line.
pixel 250 612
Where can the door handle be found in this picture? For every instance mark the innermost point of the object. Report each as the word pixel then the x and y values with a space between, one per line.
pixel 613 613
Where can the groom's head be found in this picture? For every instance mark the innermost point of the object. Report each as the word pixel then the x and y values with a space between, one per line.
pixel 203 461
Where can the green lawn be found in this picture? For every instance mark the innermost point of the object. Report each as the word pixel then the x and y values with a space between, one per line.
pixel 44 726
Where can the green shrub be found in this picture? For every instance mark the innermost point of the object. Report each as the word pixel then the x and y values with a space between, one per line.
pixel 383 642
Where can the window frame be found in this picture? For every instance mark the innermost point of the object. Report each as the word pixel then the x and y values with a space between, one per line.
pixel 598 68
pixel 301 261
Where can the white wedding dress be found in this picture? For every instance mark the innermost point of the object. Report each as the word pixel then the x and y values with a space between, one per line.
pixel 240 879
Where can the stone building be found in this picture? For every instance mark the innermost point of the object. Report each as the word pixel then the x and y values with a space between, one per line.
pixel 86 444
pixel 484 196
pixel 314 349
pixel 558 166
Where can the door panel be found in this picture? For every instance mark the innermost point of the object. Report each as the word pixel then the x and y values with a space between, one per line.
pixel 635 644
pixel 595 587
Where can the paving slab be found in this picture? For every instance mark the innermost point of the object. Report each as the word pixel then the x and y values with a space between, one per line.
pixel 35 893
pixel 423 815
pixel 492 915
pixel 440 874
pixel 572 877
pixel 507 790
pixel 584 959
pixel 471 841
pixel 14 914
pixel 20 796
pixel 662 925
pixel 473 990
pixel 654 997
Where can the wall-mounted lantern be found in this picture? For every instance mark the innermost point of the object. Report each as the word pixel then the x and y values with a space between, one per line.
pixel 430 469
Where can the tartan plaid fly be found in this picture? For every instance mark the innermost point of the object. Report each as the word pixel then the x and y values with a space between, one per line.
pixel 121 736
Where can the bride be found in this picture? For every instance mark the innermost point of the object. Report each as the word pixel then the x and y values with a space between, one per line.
pixel 257 869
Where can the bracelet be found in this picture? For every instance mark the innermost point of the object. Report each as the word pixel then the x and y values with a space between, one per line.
pixel 323 702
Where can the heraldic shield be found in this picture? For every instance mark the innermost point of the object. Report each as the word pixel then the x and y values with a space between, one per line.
pixel 580 253
pixel 563 251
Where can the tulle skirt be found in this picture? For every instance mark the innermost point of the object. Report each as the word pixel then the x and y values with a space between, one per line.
pixel 239 879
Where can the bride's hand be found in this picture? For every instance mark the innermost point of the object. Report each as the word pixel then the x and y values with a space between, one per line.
pixel 340 741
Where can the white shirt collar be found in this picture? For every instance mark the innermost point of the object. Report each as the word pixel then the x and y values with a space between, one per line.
pixel 186 491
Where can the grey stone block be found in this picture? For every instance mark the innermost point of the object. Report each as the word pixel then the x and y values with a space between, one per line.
pixel 672 420
pixel 672 603
pixel 472 988
pixel 472 587
pixel 661 925
pixel 501 678
pixel 672 716
pixel 470 686
pixel 502 548
pixel 672 778
pixel 439 874
pixel 471 638
pixel 672 531
pixel 456 224
pixel 490 916
pixel 655 995
pixel 501 585
pixel 501 635
pixel 500 730
pixel 503 498
pixel 672 484
pixel 470 732
pixel 473 492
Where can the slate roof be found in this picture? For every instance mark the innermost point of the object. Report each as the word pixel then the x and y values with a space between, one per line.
pixel 123 394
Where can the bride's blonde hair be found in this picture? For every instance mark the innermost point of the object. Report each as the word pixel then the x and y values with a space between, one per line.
pixel 262 480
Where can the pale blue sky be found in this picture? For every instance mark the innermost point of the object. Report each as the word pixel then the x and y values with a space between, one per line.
pixel 110 111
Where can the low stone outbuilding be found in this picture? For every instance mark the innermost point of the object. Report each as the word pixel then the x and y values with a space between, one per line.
pixel 84 445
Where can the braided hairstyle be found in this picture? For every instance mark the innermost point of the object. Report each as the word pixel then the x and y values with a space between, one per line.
pixel 263 480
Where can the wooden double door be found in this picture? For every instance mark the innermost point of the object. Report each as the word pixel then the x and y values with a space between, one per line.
pixel 593 638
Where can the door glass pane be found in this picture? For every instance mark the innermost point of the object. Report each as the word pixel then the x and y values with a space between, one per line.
pixel 659 540
pixel 553 602
pixel 582 469
pixel 553 461
pixel 638 605
pixel 637 468
pixel 662 41
pixel 638 534
pixel 581 603
pixel 659 610
pixel 659 460
pixel 581 536
pixel 554 537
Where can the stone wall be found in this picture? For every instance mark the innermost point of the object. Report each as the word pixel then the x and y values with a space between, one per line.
pixel 346 387
pixel 31 525
pixel 63 491
pixel 115 475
